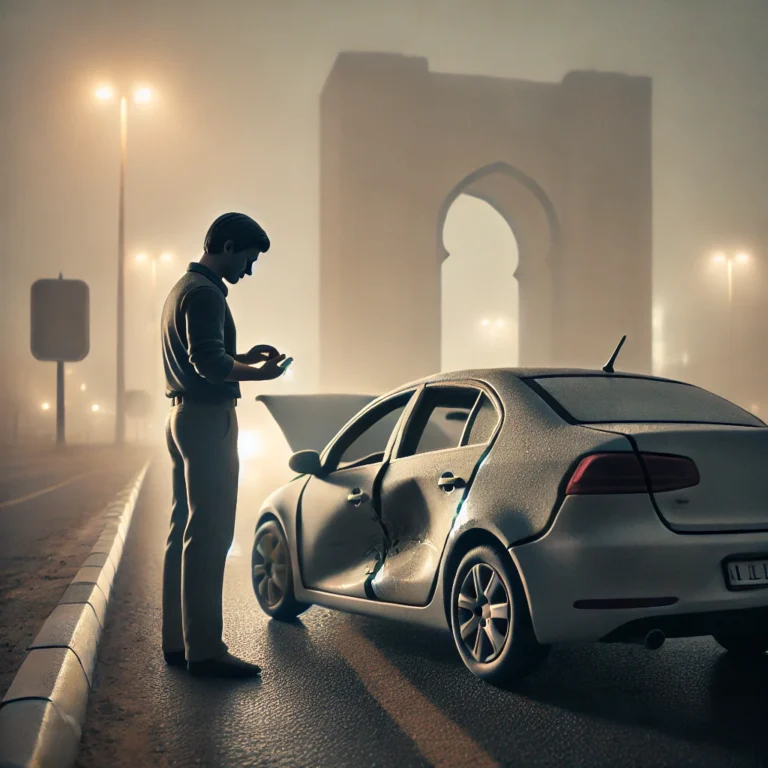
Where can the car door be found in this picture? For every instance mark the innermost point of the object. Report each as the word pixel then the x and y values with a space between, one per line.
pixel 425 482
pixel 341 538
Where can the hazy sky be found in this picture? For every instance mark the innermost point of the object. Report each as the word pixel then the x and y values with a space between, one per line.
pixel 235 126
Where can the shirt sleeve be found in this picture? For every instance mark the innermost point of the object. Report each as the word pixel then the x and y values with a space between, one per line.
pixel 204 311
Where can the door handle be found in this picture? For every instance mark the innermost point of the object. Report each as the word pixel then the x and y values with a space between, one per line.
pixel 357 497
pixel 448 482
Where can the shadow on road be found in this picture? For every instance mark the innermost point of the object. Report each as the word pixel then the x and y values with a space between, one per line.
pixel 688 691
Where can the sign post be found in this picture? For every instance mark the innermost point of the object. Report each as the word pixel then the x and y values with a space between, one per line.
pixel 60 331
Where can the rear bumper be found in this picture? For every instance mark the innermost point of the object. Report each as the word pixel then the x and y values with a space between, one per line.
pixel 615 548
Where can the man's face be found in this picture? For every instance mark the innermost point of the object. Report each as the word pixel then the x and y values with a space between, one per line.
pixel 239 264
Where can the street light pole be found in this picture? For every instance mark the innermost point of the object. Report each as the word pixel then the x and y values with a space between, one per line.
pixel 120 397
pixel 140 96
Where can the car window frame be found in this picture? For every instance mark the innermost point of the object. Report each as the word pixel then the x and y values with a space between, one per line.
pixel 332 453
pixel 410 413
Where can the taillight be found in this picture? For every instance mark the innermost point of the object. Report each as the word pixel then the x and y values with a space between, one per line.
pixel 623 473
pixel 670 473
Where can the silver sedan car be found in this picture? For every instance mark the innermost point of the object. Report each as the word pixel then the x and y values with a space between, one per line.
pixel 524 508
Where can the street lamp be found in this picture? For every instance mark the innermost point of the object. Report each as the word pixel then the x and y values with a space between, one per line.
pixel 141 95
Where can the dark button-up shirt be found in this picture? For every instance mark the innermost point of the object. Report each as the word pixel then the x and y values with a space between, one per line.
pixel 199 338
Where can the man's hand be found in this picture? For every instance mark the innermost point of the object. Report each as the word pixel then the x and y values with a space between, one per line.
pixel 258 354
pixel 271 369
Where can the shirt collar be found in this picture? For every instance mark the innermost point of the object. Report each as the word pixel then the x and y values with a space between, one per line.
pixel 210 274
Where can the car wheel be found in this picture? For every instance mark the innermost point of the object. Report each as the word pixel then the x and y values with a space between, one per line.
pixel 490 619
pixel 272 575
pixel 744 645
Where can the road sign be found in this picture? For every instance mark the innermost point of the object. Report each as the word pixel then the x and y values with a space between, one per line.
pixel 60 320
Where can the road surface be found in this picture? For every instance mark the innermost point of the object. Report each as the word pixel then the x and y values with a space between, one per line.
pixel 50 505
pixel 339 690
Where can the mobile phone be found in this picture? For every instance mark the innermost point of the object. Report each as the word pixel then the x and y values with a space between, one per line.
pixel 285 364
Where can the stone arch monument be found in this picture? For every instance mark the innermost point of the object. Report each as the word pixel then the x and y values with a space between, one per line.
pixel 568 166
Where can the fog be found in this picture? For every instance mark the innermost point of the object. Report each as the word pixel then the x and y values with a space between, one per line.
pixel 234 125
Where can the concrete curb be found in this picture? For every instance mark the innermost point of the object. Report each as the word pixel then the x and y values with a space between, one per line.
pixel 42 714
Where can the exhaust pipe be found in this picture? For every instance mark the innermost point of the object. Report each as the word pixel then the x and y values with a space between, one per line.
pixel 653 640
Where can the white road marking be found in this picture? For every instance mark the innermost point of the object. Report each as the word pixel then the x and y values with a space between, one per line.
pixel 43 491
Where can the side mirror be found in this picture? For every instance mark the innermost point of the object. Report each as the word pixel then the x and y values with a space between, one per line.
pixel 305 462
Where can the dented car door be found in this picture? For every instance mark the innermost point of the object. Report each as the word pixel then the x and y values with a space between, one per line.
pixel 424 485
pixel 341 537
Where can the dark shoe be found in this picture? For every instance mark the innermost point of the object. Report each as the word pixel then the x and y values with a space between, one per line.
pixel 225 665
pixel 175 658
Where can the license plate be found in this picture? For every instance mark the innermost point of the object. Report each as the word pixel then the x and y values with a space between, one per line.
pixel 747 573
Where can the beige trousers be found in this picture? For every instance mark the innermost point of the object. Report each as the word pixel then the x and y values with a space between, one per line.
pixel 202 440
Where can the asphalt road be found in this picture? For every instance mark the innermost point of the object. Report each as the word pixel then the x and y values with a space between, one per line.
pixel 50 505
pixel 339 690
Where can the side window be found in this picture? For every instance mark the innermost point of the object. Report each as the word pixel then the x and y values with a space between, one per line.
pixel 439 421
pixel 482 422
pixel 368 436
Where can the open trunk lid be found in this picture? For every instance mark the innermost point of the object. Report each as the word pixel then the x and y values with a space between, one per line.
pixel 732 494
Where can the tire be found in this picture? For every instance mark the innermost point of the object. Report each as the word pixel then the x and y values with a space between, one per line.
pixel 514 651
pixel 744 644
pixel 271 573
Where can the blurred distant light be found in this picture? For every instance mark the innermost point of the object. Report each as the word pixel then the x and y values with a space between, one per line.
pixel 141 257
pixel 685 358
pixel 142 95
pixel 249 443
pixel 167 257
pixel 658 318
pixel 499 322
pixel 82 387
pixel 104 93
pixel 68 371
pixel 95 407
pixel 719 258
pixel 46 406
pixel 742 258
pixel 486 322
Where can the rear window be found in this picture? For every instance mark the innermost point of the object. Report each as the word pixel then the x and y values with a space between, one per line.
pixel 607 399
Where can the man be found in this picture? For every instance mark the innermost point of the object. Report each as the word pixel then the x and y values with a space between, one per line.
pixel 203 372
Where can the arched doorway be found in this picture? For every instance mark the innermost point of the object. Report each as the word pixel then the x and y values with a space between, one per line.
pixel 479 293
pixel 568 164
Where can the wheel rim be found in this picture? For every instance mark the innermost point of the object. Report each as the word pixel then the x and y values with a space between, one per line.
pixel 484 610
pixel 270 568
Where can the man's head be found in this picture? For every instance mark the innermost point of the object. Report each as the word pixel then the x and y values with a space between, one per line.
pixel 234 241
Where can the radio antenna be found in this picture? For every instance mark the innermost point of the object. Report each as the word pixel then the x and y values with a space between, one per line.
pixel 608 367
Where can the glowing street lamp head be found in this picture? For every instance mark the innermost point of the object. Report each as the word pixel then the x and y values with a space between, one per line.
pixel 142 95
pixel 141 257
pixel 104 93
pixel 742 258
pixel 95 407
pixel 167 257
pixel 486 322
pixel 46 406
pixel 719 258
pixel 82 387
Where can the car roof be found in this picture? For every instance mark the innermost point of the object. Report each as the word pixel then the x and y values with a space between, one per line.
pixel 492 375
